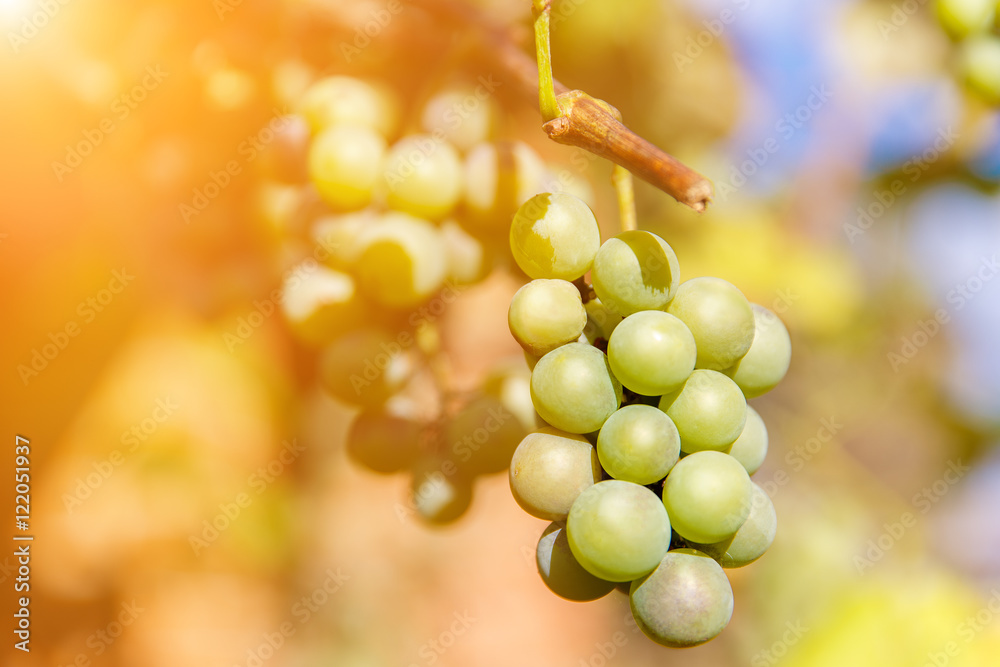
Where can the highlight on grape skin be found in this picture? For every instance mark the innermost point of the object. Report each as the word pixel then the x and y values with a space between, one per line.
pixel 636 270
pixel 719 317
pixel 639 444
pixel 545 314
pixel 652 352
pixel 709 411
pixel 766 362
pixel 707 495
pixel 554 235
pixel 573 388
pixel 549 469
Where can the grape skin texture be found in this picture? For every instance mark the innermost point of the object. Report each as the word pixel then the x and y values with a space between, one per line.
pixel 554 236
pixel 636 270
pixel 753 538
pixel 719 317
pixel 652 352
pixel 344 163
pixel 381 442
pixel 573 389
pixel 403 260
pixel 707 495
pixel 423 176
pixel 687 600
pixel 549 470
pixel 639 444
pixel 709 411
pixel 342 100
pixel 560 570
pixel 545 314
pixel 364 367
pixel 618 531
pixel 766 362
pixel 750 448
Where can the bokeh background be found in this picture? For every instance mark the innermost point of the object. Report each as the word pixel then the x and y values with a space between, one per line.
pixel 856 196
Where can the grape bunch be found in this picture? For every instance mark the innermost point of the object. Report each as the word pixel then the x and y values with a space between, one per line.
pixel 382 231
pixel 975 27
pixel 644 464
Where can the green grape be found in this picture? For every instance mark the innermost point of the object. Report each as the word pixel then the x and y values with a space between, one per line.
pixel 766 362
pixel 423 176
pixel 687 600
pixel 382 442
pixel 499 177
pixel 634 271
pixel 460 116
pixel 652 352
pixel 617 530
pixel 482 437
pixel 573 389
pixel 638 444
pixel 601 322
pixel 707 495
pixel 344 164
pixel 709 411
pixel 365 367
pixel 439 498
pixel 962 18
pixel 554 236
pixel 560 570
pixel 342 100
pixel 320 303
pixel 720 318
pixel 753 538
pixel 750 448
pixel 338 236
pixel 403 260
pixel 468 262
pixel 980 66
pixel 545 314
pixel 549 470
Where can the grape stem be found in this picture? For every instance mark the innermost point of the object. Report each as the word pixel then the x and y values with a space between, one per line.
pixel 586 290
pixel 547 103
pixel 622 180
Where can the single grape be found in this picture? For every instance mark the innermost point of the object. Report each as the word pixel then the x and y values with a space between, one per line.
pixel 573 389
pixel 511 385
pixel 439 498
pixel 707 495
pixel 638 444
pixel 545 314
pixel 766 362
pixel 560 570
pixel 720 318
pixel 344 164
pixel 460 116
pixel 962 18
pixel 338 237
pixel 342 100
pixel 634 271
pixel 554 236
pixel 382 442
pixel 320 303
pixel 499 178
pixel 687 600
pixel 979 63
pixel 708 409
pixel 365 367
pixel 468 261
pixel 482 437
pixel 652 352
pixel 423 176
pixel 403 260
pixel 753 538
pixel 549 470
pixel 617 530
pixel 750 448
pixel 601 322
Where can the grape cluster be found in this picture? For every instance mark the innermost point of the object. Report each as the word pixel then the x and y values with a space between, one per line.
pixel 386 231
pixel 644 465
pixel 975 26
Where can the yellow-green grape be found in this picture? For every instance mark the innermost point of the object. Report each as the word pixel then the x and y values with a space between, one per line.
pixel 634 271
pixel 342 100
pixel 766 362
pixel 652 352
pixel 750 448
pixel 709 411
pixel 423 176
pixel 980 66
pixel 720 318
pixel 554 236
pixel 320 303
pixel 638 444
pixel 383 442
pixel 618 531
pixel 687 600
pixel 753 538
pixel 403 260
pixel 439 498
pixel 545 314
pixel 337 237
pixel 344 164
pixel 549 470
pixel 482 437
pixel 467 258
pixel 499 178
pixel 560 570
pixel 459 115
pixel 365 367
pixel 962 18
pixel 573 389
pixel 511 385
pixel 601 322
pixel 707 495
